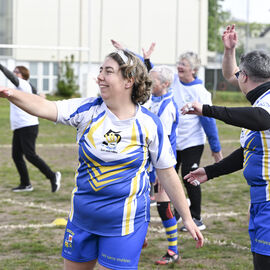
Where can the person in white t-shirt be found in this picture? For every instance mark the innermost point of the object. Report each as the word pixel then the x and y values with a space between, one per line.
pixel 193 129
pixel 25 132
pixel 118 138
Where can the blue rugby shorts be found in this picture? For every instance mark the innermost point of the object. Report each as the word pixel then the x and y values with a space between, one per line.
pixel 116 252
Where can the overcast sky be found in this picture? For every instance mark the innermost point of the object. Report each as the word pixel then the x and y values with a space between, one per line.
pixel 259 10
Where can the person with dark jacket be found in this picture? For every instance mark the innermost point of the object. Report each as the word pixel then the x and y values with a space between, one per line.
pixel 253 78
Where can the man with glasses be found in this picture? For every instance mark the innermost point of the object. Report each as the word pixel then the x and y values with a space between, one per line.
pixel 253 156
pixel 25 131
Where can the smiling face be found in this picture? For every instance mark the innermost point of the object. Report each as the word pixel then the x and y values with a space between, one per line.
pixel 185 71
pixel 112 85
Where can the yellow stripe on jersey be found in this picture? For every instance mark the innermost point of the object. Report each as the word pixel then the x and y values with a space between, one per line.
pixel 129 211
pixel 246 131
pixel 106 171
pixel 265 158
pixel 72 195
pixel 93 129
pixel 146 134
pixel 133 141
pixel 247 152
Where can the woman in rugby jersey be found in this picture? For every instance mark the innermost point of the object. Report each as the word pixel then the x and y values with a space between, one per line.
pixel 117 138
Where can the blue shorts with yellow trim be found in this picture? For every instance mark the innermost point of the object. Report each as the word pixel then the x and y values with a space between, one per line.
pixel 115 252
pixel 259 228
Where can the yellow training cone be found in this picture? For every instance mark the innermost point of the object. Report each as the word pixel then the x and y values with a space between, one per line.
pixel 60 222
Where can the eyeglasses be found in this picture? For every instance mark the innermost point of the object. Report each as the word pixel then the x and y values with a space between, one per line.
pixel 181 64
pixel 16 71
pixel 237 74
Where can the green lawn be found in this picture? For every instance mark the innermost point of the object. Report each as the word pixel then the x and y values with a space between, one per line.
pixel 30 242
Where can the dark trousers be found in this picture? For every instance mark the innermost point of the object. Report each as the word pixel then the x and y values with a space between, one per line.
pixel 261 262
pixel 189 160
pixel 24 144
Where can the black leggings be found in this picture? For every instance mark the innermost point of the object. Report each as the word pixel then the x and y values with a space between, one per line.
pixel 261 262
pixel 24 144
pixel 189 159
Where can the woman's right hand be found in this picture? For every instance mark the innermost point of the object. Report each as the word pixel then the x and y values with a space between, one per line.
pixel 5 92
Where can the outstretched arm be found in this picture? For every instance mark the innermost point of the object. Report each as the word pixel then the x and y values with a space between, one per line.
pixel 229 65
pixel 10 75
pixel 147 55
pixel 173 187
pixel 230 164
pixel 253 118
pixel 32 104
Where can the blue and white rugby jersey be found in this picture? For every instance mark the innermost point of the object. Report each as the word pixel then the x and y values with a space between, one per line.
pixel 256 145
pixel 167 111
pixel 111 194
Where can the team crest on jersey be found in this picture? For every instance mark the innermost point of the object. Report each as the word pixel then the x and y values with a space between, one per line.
pixel 112 138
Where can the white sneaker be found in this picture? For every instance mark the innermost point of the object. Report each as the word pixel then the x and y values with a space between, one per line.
pixel 56 182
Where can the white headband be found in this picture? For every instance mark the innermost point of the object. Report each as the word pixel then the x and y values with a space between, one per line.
pixel 124 57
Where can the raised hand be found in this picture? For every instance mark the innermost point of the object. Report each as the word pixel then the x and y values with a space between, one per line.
pixel 147 54
pixel 229 37
pixel 117 45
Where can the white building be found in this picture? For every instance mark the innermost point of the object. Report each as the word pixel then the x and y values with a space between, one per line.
pixel 39 34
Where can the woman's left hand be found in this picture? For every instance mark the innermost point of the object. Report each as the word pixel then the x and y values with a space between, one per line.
pixel 195 232
pixel 217 156
pixel 192 108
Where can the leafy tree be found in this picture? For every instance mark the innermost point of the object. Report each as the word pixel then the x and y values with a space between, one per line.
pixel 217 18
pixel 66 84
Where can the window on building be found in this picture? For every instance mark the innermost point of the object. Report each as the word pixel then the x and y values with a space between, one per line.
pixel 6 26
pixel 44 76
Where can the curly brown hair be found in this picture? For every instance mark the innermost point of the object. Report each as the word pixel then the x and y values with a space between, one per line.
pixel 132 67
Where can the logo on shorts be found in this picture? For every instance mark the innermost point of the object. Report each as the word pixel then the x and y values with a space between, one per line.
pixel 68 241
pixel 112 138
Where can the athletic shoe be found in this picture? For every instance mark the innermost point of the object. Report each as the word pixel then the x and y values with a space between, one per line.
pixel 56 182
pixel 199 224
pixel 21 188
pixel 169 258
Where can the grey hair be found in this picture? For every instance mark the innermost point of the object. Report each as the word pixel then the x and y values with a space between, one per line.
pixel 165 73
pixel 256 64
pixel 193 59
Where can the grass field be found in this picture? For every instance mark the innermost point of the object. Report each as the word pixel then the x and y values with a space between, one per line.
pixel 29 240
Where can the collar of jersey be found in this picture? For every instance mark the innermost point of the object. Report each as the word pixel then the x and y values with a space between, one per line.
pixel 158 99
pixel 196 81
